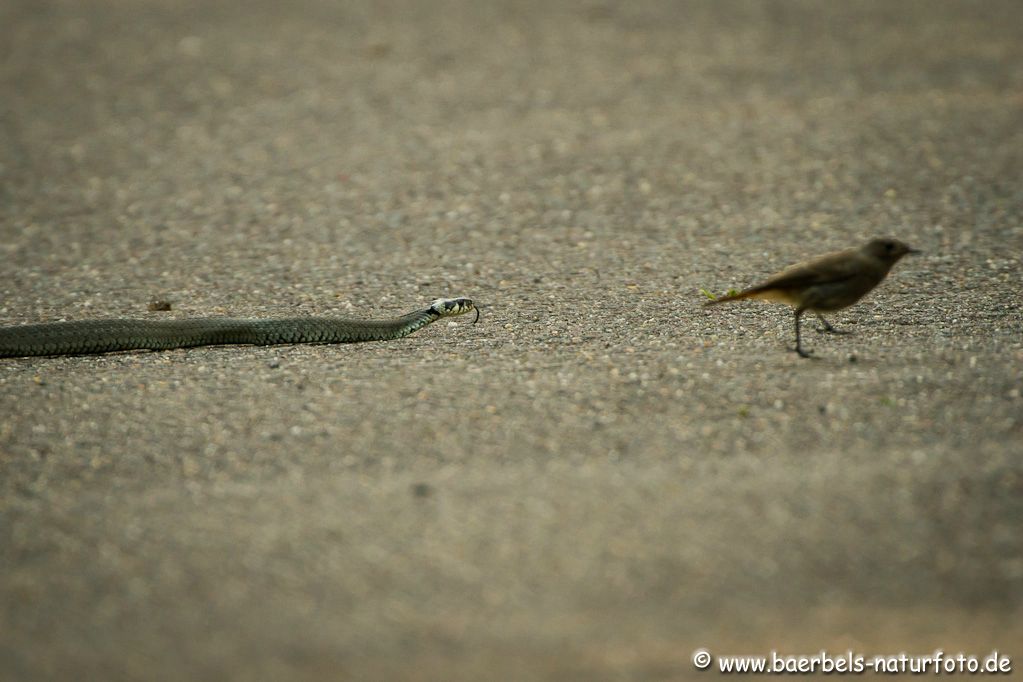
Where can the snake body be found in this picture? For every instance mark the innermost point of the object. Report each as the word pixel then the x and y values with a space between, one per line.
pixel 88 337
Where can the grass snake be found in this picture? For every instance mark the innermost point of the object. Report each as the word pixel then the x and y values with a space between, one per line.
pixel 87 337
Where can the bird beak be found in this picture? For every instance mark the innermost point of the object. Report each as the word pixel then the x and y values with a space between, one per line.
pixel 913 251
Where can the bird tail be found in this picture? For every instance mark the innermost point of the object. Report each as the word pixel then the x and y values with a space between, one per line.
pixel 749 293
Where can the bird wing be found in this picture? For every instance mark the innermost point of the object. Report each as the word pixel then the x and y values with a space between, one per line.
pixel 827 269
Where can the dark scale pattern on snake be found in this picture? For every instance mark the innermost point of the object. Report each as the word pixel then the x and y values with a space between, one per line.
pixel 89 337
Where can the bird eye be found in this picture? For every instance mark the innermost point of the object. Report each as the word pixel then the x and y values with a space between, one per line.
pixel 888 246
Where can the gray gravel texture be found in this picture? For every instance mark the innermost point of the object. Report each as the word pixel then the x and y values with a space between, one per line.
pixel 602 475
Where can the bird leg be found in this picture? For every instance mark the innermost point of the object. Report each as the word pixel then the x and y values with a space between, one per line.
pixel 828 328
pixel 799 345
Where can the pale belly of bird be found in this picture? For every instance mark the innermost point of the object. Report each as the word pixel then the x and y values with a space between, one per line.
pixel 837 295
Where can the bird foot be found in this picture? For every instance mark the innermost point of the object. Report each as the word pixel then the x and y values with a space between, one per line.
pixel 827 328
pixel 803 353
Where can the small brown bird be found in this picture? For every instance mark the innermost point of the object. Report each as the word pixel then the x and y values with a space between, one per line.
pixel 829 282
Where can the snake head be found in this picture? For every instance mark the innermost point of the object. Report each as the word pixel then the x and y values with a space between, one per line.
pixel 446 307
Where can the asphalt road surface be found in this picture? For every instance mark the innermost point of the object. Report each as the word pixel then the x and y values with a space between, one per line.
pixel 602 475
